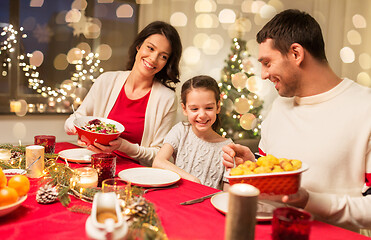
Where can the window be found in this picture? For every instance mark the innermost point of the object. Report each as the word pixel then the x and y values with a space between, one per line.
pixel 51 51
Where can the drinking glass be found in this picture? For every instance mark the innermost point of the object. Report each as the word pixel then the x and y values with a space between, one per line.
pixel 115 185
pixel 48 141
pixel 291 223
pixel 105 164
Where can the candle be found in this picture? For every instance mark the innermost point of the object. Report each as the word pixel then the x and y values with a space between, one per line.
pixel 85 177
pixel 15 106
pixel 5 155
pixel 33 153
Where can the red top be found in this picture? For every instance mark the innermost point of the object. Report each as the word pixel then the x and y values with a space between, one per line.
pixel 131 114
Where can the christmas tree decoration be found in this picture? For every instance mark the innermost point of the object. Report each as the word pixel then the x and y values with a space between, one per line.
pixel 240 106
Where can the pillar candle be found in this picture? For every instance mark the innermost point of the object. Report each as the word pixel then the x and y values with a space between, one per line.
pixel 33 152
pixel 5 155
pixel 241 215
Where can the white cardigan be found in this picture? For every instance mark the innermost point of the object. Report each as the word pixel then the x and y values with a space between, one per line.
pixel 159 117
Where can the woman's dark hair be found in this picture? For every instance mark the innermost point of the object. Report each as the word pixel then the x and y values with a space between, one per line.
pixel 206 82
pixel 169 74
pixel 293 26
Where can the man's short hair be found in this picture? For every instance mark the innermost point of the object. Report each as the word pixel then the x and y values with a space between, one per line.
pixel 293 26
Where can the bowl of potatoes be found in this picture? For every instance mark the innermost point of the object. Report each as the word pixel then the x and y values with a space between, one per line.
pixel 271 175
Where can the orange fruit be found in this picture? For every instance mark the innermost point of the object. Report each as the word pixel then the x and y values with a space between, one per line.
pixel 3 179
pixel 8 196
pixel 20 183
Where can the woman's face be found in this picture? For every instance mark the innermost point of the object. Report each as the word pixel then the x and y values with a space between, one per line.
pixel 152 55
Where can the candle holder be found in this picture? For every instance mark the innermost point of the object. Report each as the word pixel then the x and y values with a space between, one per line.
pixel 85 177
pixel 35 161
pixel 48 141
pixel 105 164
pixel 115 185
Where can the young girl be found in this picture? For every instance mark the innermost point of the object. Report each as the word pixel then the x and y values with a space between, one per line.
pixel 196 147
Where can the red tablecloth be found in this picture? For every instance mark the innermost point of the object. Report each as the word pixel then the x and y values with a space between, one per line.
pixel 198 221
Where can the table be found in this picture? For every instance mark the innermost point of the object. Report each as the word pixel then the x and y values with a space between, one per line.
pixel 197 221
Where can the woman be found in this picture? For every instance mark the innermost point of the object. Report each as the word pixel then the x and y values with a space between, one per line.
pixel 142 99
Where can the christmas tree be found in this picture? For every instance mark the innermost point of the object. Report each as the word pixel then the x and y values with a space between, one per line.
pixel 240 112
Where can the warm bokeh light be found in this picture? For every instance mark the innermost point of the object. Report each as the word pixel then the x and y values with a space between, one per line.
pixel 253 47
pixel 227 105
pixel 205 6
pixel 347 55
pixel 227 16
pixel 259 20
pixel 256 6
pixel 37 58
pixel 364 79
pixel 211 46
pixel 73 15
pixel 92 31
pixel 74 55
pixel 277 4
pixel 105 1
pixel 267 11
pixel 60 62
pixel 239 28
pixel 104 51
pixel 354 37
pixel 200 39
pixel 248 121
pixel 359 21
pixel 124 11
pixel 207 21
pixel 36 3
pixel 19 130
pixel 225 1
pixel 191 55
pixel 239 80
pixel 23 109
pixel 85 47
pixel 68 86
pixel 178 19
pixel 242 105
pixel 246 6
pixel 79 4
pixel 365 61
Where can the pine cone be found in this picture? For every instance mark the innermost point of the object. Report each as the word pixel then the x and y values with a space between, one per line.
pixel 138 208
pixel 46 194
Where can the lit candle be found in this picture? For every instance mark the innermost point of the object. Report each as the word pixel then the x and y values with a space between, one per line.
pixel 85 177
pixel 15 106
pixel 35 156
pixel 5 155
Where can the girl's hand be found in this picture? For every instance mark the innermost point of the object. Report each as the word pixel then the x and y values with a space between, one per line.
pixel 299 199
pixel 99 148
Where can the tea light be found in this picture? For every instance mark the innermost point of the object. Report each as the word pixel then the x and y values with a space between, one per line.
pixel 15 106
pixel 31 107
pixel 5 155
pixel 85 177
pixel 33 153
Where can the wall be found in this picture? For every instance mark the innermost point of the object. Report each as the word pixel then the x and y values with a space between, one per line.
pixel 15 129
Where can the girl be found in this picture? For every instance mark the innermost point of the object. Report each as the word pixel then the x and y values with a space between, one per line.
pixel 196 147
pixel 142 99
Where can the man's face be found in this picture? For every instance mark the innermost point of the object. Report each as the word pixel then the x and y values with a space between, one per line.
pixel 279 69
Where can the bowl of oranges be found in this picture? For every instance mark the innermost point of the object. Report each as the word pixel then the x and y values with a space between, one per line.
pixel 271 175
pixel 13 191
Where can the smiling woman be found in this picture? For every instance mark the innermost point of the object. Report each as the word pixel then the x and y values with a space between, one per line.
pixel 60 47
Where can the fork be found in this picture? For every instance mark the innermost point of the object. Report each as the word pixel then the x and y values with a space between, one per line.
pixel 159 188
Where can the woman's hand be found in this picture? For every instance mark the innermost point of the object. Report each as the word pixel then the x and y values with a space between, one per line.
pixel 99 148
pixel 238 152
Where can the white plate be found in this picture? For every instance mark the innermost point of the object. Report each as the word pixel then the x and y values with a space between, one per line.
pixel 10 208
pixel 13 172
pixel 149 177
pixel 264 212
pixel 78 155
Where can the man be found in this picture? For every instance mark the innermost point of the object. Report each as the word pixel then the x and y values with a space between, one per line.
pixel 319 118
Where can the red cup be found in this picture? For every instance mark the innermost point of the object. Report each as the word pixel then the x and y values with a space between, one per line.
pixel 291 223
pixel 48 141
pixel 105 164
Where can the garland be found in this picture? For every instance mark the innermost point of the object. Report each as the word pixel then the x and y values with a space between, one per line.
pixel 141 214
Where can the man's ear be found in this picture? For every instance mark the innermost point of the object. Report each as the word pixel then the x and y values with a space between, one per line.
pixel 297 53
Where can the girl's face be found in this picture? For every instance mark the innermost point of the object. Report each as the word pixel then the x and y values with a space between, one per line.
pixel 201 109
pixel 152 55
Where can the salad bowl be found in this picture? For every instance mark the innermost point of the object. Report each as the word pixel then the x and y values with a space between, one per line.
pixel 101 133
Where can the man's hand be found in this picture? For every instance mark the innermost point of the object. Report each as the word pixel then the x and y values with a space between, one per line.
pixel 238 152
